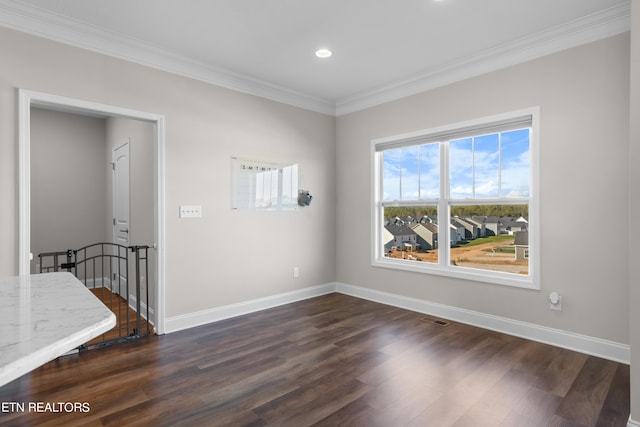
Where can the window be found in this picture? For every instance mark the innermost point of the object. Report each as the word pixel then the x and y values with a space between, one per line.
pixel 460 200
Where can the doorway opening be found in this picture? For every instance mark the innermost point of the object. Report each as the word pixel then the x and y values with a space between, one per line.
pixel 30 99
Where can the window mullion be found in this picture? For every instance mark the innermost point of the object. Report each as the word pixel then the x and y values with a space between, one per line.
pixel 500 164
pixel 473 167
pixel 419 178
pixel 444 239
pixel 400 195
pixel 280 176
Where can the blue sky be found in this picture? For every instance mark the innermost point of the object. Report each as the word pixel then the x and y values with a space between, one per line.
pixel 483 166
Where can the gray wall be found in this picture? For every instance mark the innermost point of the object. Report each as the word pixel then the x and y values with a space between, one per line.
pixel 205 126
pixel 68 191
pixel 72 183
pixel 583 98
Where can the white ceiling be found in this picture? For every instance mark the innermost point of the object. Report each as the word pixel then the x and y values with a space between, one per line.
pixel 383 49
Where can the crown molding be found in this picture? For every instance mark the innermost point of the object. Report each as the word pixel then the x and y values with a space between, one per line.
pixel 43 23
pixel 599 25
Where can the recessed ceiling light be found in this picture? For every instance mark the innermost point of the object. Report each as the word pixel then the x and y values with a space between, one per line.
pixel 323 53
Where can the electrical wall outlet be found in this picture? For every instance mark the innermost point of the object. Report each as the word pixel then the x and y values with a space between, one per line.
pixel 296 272
pixel 555 301
pixel 190 211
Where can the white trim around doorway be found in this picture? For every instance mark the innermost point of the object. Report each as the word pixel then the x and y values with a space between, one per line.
pixel 28 99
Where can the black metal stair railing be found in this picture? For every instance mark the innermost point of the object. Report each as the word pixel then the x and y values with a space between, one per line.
pixel 105 269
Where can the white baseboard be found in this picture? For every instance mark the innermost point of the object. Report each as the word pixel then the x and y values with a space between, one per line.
pixel 98 282
pixel 632 423
pixel 582 343
pixel 143 309
pixel 185 321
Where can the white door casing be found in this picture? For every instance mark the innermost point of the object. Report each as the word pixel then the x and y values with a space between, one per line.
pixel 29 98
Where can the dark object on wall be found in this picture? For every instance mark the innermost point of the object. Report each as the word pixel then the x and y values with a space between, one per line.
pixel 304 198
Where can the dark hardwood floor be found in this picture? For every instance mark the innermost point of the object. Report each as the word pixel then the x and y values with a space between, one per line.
pixel 126 318
pixel 328 361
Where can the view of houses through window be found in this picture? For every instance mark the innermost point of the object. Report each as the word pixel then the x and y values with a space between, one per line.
pixel 487 237
pixel 458 200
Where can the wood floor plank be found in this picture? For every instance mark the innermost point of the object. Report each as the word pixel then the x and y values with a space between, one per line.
pixel 616 406
pixel 584 401
pixel 461 398
pixel 561 372
pixel 313 403
pixel 501 384
pixel 536 408
pixel 328 361
pixel 355 413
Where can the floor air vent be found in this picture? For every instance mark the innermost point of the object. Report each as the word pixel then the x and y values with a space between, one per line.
pixel 438 322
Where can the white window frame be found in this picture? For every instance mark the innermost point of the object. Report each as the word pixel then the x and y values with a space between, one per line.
pixel 443 267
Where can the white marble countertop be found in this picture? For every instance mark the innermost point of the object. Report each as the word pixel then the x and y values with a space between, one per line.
pixel 43 316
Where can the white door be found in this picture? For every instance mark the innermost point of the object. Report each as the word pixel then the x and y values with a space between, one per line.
pixel 121 210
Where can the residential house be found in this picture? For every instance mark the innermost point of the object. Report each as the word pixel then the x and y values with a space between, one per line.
pixel 404 238
pixel 479 226
pixel 471 229
pixel 456 234
pixel 492 225
pixel 521 244
pixel 426 235
pixel 514 226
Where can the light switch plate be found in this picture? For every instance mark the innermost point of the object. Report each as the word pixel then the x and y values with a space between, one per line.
pixel 190 211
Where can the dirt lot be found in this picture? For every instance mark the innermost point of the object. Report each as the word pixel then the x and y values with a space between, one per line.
pixel 487 256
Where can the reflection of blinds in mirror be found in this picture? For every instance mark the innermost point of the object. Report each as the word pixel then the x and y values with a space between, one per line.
pixel 263 185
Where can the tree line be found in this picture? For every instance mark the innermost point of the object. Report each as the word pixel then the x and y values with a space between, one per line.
pixel 513 211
